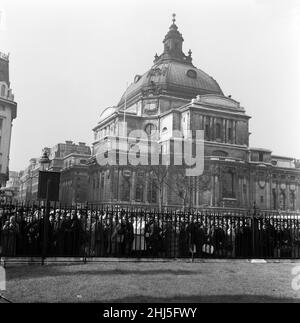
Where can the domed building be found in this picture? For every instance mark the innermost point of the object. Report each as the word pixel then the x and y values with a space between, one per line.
pixel 172 97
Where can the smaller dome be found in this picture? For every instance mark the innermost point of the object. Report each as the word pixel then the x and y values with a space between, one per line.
pixel 107 113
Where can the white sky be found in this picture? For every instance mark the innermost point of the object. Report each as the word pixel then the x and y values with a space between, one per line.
pixel 71 59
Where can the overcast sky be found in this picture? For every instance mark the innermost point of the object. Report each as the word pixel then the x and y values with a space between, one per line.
pixel 71 59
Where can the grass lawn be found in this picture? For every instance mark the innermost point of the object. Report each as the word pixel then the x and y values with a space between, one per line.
pixel 235 281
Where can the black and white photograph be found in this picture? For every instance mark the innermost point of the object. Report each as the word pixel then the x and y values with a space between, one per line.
pixel 149 154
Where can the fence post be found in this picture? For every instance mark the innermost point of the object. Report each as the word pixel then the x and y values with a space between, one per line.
pixel 46 222
pixel 253 229
pixel 46 231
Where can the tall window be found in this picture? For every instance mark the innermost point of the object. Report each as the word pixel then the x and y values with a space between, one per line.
pixel 102 180
pixel 229 134
pixel 282 201
pixel 125 189
pixel 274 197
pixel 218 131
pixel 260 156
pixel 152 191
pixel 292 201
pixel 3 88
pixel 139 192
pixel 228 185
pixel 207 131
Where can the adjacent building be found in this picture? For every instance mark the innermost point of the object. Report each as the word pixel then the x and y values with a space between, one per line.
pixel 10 193
pixel 8 112
pixel 174 95
pixel 70 159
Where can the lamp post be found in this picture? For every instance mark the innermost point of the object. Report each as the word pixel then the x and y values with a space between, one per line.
pixel 45 163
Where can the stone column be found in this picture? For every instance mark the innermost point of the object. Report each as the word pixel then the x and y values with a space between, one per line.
pixel 226 127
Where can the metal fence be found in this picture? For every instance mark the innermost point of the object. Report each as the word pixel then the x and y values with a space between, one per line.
pixel 117 231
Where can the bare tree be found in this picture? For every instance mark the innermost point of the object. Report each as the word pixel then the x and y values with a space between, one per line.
pixel 160 175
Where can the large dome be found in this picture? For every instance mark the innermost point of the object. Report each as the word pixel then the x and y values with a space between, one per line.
pixel 173 73
pixel 175 78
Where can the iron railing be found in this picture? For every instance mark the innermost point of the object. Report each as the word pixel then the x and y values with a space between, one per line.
pixel 118 231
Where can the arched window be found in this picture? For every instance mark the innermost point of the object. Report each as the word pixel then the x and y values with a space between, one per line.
pixel 282 201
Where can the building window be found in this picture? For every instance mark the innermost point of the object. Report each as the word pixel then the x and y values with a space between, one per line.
pixel 261 199
pixel 292 201
pixel 152 191
pixel 150 127
pixel 218 131
pixel 207 131
pixel 125 190
pixel 229 134
pixel 139 192
pixel 3 88
pixel 191 73
pixel 102 180
pixel 260 156
pixel 274 197
pixel 228 185
pixel 282 201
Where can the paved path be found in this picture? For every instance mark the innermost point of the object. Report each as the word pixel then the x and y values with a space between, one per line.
pixel 236 281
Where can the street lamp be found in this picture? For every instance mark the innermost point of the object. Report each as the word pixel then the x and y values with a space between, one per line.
pixel 45 180
pixel 45 161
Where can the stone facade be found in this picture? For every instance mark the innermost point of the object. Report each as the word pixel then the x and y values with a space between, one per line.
pixel 74 179
pixel 68 158
pixel 8 112
pixel 176 96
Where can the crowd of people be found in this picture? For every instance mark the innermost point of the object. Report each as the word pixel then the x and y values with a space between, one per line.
pixel 132 233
